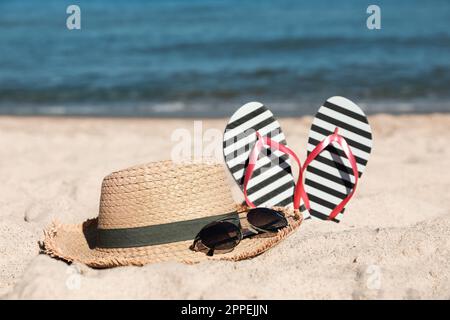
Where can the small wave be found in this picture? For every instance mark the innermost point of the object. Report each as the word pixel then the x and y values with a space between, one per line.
pixel 294 43
pixel 173 107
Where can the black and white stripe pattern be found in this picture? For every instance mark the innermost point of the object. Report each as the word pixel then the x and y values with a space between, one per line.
pixel 272 183
pixel 329 178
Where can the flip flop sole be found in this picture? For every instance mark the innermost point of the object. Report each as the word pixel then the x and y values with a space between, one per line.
pixel 329 178
pixel 272 183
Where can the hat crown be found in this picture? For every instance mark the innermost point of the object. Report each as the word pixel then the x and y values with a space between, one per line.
pixel 163 192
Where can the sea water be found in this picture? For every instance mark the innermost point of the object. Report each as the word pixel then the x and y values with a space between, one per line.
pixel 206 58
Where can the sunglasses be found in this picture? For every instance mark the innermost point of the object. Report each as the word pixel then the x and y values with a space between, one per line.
pixel 224 235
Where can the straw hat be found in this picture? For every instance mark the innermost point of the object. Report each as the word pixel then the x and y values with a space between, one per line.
pixel 151 213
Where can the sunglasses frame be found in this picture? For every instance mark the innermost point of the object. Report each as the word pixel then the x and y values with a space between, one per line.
pixel 251 230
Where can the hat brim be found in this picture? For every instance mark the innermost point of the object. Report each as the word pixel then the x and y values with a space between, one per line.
pixel 76 243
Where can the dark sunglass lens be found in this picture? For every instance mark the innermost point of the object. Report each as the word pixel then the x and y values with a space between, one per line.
pixel 220 235
pixel 266 219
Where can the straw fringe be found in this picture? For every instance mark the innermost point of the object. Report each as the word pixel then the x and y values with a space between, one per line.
pixel 138 257
pixel 50 246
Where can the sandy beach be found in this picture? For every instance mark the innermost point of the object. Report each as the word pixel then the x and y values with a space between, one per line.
pixel 394 241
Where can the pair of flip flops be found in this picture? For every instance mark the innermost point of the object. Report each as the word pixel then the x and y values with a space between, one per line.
pixel 259 159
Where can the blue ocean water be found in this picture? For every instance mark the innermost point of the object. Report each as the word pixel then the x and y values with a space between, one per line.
pixel 206 58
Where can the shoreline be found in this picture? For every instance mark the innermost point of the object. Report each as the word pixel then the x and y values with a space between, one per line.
pixel 196 117
pixel 192 110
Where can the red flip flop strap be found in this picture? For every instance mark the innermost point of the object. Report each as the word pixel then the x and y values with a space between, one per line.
pixel 253 157
pixel 335 137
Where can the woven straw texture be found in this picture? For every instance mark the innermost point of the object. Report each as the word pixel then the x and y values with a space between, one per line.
pixel 151 194
pixel 163 192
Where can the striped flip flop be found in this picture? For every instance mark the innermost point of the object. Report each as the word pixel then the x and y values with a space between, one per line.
pixel 272 183
pixel 339 145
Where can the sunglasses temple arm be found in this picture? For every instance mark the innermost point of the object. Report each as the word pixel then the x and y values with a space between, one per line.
pixel 210 252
